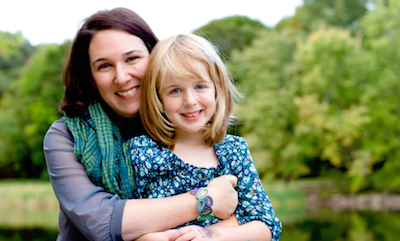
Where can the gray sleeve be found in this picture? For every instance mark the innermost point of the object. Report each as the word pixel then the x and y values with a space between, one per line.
pixel 94 212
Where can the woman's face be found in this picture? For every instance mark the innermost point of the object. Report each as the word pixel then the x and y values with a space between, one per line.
pixel 118 62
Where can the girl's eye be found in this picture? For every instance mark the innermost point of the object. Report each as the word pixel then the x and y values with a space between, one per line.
pixel 200 87
pixel 175 91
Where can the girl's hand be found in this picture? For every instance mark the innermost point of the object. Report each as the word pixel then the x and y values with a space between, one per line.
pixel 159 236
pixel 225 197
pixel 195 233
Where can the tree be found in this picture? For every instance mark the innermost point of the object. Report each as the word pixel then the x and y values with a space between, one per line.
pixel 382 37
pixel 231 33
pixel 316 13
pixel 267 109
pixel 27 111
pixel 308 106
pixel 14 52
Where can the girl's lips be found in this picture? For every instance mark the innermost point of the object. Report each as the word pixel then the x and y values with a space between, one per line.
pixel 192 116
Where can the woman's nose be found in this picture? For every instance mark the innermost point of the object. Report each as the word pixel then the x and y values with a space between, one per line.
pixel 122 74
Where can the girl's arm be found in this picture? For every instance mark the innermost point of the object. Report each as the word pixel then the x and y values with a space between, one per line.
pixel 254 204
pixel 99 215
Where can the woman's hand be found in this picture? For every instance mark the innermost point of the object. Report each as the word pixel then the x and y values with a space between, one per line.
pixel 225 197
pixel 159 236
pixel 195 233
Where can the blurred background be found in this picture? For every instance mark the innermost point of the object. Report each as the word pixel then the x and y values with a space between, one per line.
pixel 321 115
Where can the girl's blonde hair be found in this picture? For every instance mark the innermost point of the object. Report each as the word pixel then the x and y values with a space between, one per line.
pixel 173 57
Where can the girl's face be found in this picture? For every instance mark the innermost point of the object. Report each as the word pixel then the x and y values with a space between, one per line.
pixel 118 62
pixel 189 102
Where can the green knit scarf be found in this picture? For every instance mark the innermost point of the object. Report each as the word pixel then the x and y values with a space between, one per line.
pixel 98 145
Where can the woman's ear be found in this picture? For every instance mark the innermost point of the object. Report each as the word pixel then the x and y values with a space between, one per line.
pixel 93 83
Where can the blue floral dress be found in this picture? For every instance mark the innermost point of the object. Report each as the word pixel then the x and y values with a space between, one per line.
pixel 161 173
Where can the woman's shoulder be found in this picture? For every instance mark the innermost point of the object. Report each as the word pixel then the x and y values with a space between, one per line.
pixel 58 128
pixel 57 135
pixel 59 125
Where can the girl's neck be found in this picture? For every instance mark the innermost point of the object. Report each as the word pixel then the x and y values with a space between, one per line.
pixel 190 139
pixel 194 150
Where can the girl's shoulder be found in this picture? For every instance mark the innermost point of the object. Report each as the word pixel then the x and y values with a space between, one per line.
pixel 234 146
pixel 143 141
pixel 233 141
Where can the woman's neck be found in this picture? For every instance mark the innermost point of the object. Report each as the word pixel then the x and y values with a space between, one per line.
pixel 128 126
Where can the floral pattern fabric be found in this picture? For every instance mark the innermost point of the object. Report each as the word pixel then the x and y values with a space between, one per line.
pixel 160 173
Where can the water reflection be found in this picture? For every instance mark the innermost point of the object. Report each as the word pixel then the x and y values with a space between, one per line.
pixel 35 234
pixel 345 226
pixel 325 225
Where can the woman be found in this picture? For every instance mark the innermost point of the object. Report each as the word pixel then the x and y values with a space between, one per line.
pixel 108 59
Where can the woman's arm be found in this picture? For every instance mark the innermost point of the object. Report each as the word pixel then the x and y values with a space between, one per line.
pixel 103 216
pixel 94 212
pixel 167 213
pixel 254 230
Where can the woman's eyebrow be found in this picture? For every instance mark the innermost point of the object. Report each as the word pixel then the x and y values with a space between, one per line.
pixel 131 52
pixel 127 53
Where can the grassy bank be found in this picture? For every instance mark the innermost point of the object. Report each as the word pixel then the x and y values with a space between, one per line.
pixel 31 203
pixel 27 204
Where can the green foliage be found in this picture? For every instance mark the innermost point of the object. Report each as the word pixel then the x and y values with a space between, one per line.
pixel 326 104
pixel 316 13
pixel 382 32
pixel 231 33
pixel 14 52
pixel 27 111
pixel 315 108
pixel 333 73
pixel 262 71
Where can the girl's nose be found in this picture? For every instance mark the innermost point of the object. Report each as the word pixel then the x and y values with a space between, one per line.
pixel 190 99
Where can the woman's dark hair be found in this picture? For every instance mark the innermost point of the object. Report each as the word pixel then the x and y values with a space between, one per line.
pixel 78 80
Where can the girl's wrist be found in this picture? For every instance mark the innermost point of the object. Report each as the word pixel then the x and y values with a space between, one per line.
pixel 204 203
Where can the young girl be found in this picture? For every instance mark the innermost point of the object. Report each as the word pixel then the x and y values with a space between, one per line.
pixel 186 107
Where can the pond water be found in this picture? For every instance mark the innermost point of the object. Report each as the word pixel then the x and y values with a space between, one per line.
pixel 344 226
pixel 322 226
pixel 35 234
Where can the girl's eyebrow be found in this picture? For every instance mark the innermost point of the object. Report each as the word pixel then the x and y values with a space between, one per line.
pixel 169 86
pixel 125 54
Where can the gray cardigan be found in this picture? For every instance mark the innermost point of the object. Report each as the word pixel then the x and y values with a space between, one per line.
pixel 87 212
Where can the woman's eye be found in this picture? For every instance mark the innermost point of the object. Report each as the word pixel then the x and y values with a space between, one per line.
pixel 103 66
pixel 133 58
